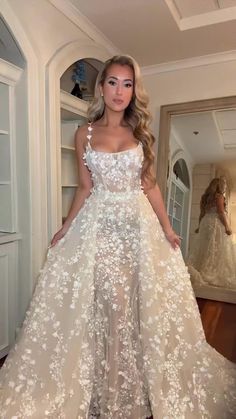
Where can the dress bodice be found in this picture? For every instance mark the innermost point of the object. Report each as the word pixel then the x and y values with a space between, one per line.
pixel 115 172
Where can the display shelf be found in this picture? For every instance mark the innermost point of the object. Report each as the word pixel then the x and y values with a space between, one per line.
pixel 67 147
pixel 9 237
pixel 73 115
pixel 75 185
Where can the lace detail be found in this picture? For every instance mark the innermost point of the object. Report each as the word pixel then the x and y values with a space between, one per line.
pixel 113 330
pixel 213 257
pixel 114 172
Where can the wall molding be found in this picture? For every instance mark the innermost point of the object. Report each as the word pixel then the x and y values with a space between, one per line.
pixel 186 63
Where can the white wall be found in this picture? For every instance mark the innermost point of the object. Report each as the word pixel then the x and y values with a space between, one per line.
pixel 185 85
pixel 47 28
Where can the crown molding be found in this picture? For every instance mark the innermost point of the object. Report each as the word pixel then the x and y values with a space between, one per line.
pixel 189 63
pixel 83 23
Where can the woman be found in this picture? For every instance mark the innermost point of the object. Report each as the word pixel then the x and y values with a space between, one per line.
pixel 213 258
pixel 113 330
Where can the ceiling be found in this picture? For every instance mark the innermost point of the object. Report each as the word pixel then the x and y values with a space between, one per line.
pixel 209 137
pixel 151 31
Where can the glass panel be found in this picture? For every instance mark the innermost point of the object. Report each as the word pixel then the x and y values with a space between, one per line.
pixel 179 195
pixel 172 191
pixel 171 207
pixel 4 107
pixel 178 211
pixel 177 226
pixel 5 158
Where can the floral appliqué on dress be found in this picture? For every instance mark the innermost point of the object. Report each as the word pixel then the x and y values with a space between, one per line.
pixel 113 330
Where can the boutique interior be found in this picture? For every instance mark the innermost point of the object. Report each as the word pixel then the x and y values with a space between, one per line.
pixel 187 53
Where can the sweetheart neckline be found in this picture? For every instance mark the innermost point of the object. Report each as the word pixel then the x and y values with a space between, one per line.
pixel 112 153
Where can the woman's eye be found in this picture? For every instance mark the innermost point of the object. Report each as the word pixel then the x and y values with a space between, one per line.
pixel 112 82
pixel 128 85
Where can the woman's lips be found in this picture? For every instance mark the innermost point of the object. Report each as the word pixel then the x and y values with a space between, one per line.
pixel 118 101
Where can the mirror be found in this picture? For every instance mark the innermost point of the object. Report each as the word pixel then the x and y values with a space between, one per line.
pixel 197 143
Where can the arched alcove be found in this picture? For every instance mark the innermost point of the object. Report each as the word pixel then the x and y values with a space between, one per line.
pixel 62 62
pixel 80 78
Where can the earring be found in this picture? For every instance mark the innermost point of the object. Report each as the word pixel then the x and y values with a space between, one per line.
pixel 102 94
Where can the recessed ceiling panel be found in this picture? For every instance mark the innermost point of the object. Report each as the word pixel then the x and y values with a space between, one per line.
pixel 226 3
pixel 189 8
pixel 229 138
pixel 190 14
pixel 226 119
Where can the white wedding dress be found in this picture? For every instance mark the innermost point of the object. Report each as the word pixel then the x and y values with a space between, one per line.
pixel 113 329
pixel 212 260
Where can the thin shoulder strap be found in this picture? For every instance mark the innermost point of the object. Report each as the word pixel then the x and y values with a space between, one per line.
pixel 89 135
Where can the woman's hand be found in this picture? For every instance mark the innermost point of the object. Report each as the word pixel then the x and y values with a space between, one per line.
pixel 228 231
pixel 173 238
pixel 58 236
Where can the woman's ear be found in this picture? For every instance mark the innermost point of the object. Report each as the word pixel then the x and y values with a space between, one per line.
pixel 101 90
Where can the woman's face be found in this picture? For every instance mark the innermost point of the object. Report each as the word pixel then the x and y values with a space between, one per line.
pixel 118 87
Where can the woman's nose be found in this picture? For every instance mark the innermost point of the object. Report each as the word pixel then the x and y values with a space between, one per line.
pixel 119 89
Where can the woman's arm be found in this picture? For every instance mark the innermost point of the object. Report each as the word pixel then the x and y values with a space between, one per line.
pixel 154 196
pixel 84 184
pixel 221 213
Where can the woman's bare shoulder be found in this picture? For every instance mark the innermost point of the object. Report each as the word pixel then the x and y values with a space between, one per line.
pixel 81 134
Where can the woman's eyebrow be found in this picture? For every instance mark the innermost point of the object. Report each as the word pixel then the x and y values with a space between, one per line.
pixel 116 78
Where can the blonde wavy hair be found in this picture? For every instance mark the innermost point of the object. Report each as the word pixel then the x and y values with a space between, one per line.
pixel 136 114
pixel 215 187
